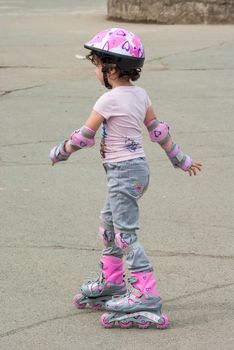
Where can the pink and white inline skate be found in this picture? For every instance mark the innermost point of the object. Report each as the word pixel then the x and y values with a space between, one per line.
pixel 110 283
pixel 141 307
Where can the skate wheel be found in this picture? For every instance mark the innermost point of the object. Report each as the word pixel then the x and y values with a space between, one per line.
pixel 104 321
pixel 164 322
pixel 143 324
pixel 76 302
pixel 96 307
pixel 125 324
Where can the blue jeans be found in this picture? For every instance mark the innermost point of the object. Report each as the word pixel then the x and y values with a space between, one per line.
pixel 127 182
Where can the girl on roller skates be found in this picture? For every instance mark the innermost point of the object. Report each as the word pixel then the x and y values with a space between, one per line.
pixel 122 112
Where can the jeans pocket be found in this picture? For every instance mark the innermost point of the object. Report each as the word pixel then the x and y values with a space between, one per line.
pixel 138 182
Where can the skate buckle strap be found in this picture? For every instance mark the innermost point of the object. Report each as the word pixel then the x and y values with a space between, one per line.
pixel 136 292
pixel 132 280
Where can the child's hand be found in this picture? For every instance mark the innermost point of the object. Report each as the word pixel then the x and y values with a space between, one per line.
pixel 194 168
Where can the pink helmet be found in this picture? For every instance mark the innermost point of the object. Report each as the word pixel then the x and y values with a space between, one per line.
pixel 121 45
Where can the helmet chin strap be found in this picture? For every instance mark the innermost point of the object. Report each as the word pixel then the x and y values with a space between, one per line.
pixel 105 79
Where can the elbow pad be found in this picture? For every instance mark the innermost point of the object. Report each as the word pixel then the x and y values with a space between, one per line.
pixel 158 131
pixel 82 138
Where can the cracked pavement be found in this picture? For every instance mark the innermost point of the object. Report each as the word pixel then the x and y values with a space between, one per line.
pixel 49 215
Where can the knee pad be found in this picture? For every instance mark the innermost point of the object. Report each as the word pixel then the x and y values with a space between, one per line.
pixel 126 241
pixel 120 242
pixel 106 236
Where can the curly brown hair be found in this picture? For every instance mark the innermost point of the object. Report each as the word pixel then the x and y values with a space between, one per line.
pixel 109 63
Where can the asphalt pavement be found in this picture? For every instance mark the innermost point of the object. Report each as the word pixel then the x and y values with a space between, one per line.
pixel 49 215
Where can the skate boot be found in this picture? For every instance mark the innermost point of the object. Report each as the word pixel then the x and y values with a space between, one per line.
pixel 141 306
pixel 110 283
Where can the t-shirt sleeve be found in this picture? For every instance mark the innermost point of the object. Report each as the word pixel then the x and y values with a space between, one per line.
pixel 104 105
pixel 148 102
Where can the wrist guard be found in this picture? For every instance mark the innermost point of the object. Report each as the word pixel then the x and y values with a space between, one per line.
pixel 178 158
pixel 58 154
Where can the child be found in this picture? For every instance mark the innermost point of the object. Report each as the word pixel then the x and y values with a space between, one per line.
pixel 119 56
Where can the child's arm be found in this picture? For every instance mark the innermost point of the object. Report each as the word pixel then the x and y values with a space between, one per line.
pixel 80 138
pixel 159 132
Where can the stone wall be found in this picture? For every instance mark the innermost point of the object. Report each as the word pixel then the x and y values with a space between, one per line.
pixel 172 11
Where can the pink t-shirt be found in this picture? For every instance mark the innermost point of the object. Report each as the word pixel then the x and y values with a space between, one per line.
pixel 124 109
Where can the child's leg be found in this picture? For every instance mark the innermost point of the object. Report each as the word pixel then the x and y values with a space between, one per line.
pixel 111 280
pixel 127 182
pixel 143 305
pixel 106 232
pixel 134 252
